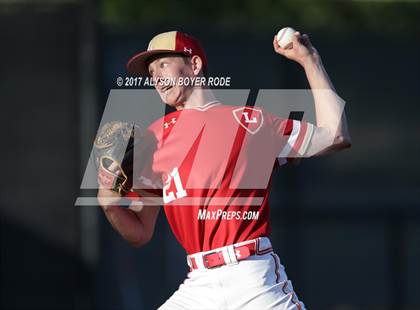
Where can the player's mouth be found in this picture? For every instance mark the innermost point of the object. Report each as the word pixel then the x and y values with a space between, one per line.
pixel 165 89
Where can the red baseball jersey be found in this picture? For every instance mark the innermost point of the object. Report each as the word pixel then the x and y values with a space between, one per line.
pixel 215 164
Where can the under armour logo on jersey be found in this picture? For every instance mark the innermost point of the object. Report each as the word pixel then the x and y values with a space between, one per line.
pixel 167 124
pixel 249 118
pixel 189 50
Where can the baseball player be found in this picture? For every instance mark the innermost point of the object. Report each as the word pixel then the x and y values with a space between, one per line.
pixel 214 162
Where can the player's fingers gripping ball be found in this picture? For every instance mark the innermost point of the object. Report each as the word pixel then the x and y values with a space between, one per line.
pixel 113 149
pixel 285 37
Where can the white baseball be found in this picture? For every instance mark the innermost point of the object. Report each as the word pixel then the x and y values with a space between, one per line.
pixel 284 37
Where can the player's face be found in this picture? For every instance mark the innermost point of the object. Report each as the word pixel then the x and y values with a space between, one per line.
pixel 167 69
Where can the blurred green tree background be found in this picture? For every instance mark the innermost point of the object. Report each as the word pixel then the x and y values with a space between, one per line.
pixel 253 15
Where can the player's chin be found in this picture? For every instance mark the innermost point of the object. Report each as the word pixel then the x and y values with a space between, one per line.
pixel 173 100
pixel 169 102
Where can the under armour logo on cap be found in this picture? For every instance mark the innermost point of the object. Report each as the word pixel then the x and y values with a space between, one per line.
pixel 189 50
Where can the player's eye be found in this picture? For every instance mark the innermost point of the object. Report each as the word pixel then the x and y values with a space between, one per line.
pixel 163 64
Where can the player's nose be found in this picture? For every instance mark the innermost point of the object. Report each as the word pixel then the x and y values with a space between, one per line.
pixel 157 77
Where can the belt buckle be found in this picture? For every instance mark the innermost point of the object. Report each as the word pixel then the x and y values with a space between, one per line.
pixel 206 261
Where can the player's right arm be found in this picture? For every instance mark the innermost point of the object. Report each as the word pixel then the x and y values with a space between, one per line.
pixel 135 225
pixel 331 131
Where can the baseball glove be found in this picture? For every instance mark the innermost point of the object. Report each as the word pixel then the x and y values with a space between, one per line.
pixel 113 149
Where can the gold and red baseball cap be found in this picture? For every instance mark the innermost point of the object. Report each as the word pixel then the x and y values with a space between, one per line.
pixel 167 42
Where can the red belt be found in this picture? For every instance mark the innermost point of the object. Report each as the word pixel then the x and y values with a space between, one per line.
pixel 216 259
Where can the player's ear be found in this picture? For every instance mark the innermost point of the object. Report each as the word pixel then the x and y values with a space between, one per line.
pixel 197 64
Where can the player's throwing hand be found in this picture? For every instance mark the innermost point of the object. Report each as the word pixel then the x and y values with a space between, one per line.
pixel 301 49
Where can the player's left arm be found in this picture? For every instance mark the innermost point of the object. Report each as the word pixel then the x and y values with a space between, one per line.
pixel 331 132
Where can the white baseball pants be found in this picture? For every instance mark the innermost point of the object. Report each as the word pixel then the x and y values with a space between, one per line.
pixel 258 282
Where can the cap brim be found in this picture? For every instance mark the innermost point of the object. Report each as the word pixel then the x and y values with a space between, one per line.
pixel 138 63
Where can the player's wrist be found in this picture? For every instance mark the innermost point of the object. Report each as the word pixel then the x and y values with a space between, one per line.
pixel 311 62
pixel 311 59
pixel 107 197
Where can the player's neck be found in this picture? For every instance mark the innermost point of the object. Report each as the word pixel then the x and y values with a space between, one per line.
pixel 198 98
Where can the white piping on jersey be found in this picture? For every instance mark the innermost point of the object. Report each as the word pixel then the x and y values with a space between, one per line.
pixel 208 105
pixel 292 139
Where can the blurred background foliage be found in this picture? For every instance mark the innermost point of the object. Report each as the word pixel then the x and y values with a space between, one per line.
pixel 336 16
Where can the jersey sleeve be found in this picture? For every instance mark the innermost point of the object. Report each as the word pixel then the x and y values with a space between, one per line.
pixel 291 136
